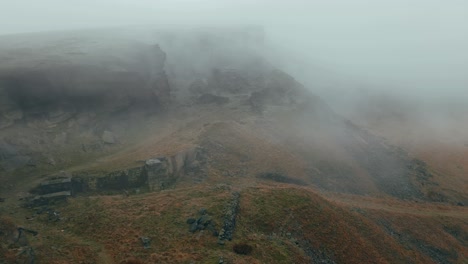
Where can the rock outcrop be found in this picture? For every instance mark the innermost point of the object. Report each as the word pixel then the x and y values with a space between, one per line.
pixel 14 244
pixel 156 174
pixel 229 219
pixel 108 80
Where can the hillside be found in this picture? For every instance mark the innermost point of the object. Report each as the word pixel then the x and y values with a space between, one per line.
pixel 127 151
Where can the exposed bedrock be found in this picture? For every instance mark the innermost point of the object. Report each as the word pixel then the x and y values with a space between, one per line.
pixel 57 89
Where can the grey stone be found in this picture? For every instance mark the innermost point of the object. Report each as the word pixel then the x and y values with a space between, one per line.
pixel 230 219
pixel 146 241
pixel 193 227
pixel 204 220
pixel 152 162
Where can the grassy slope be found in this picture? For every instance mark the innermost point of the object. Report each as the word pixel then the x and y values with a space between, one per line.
pixel 283 223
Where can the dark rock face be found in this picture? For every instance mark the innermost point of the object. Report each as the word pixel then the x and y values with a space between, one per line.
pixel 58 89
pixel 164 174
pixel 155 174
pixel 259 84
pixel 55 185
pixel 84 101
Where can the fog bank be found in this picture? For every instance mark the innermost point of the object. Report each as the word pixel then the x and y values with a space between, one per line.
pixel 414 48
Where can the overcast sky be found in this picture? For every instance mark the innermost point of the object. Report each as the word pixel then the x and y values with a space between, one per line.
pixel 415 45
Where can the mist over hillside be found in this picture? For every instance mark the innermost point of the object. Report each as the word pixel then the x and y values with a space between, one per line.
pixel 222 132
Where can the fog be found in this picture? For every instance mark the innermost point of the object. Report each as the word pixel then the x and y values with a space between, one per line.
pixel 417 50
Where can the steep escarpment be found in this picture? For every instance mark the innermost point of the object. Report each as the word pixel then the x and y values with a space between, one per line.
pixel 63 103
pixel 102 102
pixel 56 89
pixel 110 148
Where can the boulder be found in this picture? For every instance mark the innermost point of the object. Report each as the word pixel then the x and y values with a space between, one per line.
pixel 146 241
pixel 153 162
pixel 204 221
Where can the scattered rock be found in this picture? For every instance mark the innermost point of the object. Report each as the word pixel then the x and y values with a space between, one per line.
pixel 32 232
pixel 229 219
pixel 146 241
pixel 193 227
pixel 204 221
pixel 108 137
